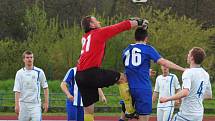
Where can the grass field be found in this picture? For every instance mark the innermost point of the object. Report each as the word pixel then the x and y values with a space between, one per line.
pixel 58 98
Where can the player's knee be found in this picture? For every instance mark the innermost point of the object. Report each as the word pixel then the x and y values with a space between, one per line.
pixel 122 79
pixel 89 109
pixel 88 117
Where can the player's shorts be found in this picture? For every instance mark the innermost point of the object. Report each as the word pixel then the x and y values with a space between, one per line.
pixel 142 100
pixel 180 117
pixel 91 79
pixel 30 111
pixel 74 113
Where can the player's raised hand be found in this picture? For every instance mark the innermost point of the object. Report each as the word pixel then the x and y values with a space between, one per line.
pixel 163 99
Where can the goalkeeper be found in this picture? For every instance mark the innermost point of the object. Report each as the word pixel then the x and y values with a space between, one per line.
pixel 89 75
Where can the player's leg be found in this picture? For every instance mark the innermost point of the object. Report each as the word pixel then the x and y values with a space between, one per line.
pixel 106 78
pixel 179 117
pixel 198 118
pixel 80 113
pixel 89 113
pixel 167 116
pixel 91 79
pixel 190 117
pixel 87 82
pixel 174 117
pixel 89 97
pixel 143 102
pixel 36 113
pixel 71 111
pixel 125 93
pixel 160 113
pixel 24 114
pixel 122 116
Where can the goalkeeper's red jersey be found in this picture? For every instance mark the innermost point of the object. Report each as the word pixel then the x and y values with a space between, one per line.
pixel 93 44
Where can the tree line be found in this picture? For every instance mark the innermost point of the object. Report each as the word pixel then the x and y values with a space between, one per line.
pixel 12 12
pixel 56 43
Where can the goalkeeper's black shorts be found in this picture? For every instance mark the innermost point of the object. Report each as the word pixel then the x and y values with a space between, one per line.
pixel 91 79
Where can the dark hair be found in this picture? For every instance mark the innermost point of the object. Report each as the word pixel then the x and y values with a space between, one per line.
pixel 198 54
pixel 85 23
pixel 140 34
pixel 27 52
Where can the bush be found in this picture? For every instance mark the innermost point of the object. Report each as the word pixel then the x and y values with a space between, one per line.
pixel 11 58
pixel 56 47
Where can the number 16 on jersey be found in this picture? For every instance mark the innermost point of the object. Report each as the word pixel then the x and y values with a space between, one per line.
pixel 135 55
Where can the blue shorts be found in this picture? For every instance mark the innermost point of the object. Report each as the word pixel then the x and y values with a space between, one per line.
pixel 74 113
pixel 142 100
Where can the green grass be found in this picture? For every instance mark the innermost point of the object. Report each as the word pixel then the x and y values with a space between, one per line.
pixel 57 98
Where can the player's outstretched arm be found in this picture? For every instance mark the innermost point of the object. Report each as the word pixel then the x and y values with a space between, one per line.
pixel 110 31
pixel 64 88
pixel 183 93
pixel 170 64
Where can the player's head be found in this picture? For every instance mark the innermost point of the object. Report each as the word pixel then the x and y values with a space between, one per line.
pixel 89 23
pixel 165 70
pixel 141 35
pixel 196 55
pixel 28 58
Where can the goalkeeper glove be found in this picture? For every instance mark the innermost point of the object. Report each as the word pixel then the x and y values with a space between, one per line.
pixel 142 23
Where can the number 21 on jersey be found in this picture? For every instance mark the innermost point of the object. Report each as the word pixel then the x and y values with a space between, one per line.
pixel 85 44
pixel 135 56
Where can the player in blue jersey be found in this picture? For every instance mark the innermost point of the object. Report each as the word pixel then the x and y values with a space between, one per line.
pixel 74 104
pixel 123 116
pixel 136 58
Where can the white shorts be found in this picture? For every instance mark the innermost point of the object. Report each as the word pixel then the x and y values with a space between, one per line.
pixel 29 111
pixel 180 117
pixel 165 114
